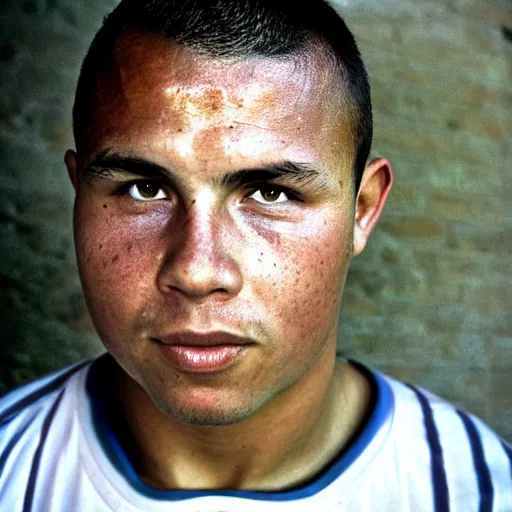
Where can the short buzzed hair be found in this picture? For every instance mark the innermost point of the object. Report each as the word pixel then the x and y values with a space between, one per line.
pixel 237 29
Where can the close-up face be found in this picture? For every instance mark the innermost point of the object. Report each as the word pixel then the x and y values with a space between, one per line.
pixel 214 224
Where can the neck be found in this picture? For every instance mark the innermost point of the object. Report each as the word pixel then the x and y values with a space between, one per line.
pixel 285 444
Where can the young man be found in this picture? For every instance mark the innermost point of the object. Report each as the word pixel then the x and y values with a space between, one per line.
pixel 221 192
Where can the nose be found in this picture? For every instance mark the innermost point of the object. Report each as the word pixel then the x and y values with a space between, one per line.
pixel 199 261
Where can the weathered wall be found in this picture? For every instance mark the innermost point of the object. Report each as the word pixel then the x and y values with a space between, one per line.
pixel 428 301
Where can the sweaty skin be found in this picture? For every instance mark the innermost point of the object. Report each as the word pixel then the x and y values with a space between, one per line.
pixel 190 250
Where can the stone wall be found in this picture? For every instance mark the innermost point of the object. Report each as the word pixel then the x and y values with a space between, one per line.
pixel 429 300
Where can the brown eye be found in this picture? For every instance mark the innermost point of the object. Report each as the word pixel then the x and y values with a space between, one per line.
pixel 270 194
pixel 147 191
pixel 267 195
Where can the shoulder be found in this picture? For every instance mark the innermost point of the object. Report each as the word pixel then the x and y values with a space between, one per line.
pixel 26 418
pixel 463 457
pixel 32 395
pixel 35 398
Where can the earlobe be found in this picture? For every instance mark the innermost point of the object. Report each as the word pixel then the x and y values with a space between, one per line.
pixel 375 186
pixel 71 164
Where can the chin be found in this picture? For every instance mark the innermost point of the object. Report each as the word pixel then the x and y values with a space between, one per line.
pixel 212 416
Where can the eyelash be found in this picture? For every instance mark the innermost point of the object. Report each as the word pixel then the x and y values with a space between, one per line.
pixel 125 187
pixel 254 187
pixel 251 188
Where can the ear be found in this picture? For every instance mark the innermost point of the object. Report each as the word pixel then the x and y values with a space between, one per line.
pixel 375 186
pixel 71 164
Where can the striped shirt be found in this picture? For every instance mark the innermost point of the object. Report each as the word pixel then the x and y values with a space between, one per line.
pixel 416 453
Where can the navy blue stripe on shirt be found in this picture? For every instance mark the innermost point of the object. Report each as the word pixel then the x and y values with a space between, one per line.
pixel 508 451
pixel 483 474
pixel 13 442
pixel 438 471
pixel 29 492
pixel 54 384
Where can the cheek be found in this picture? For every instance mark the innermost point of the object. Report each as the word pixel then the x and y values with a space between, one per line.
pixel 115 255
pixel 302 281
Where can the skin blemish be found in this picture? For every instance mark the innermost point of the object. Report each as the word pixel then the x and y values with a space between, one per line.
pixel 211 101
pixel 115 258
pixel 104 206
pixel 236 101
pixel 198 101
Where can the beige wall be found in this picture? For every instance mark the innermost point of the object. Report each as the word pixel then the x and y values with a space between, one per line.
pixel 429 301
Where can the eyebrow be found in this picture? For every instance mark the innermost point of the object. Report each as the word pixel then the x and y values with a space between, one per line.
pixel 285 170
pixel 108 163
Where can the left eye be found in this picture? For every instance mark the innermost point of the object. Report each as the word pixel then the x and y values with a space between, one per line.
pixel 269 195
pixel 146 191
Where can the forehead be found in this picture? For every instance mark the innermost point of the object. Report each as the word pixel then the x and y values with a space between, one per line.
pixel 159 93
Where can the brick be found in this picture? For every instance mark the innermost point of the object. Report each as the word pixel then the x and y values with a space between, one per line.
pixel 493 12
pixel 427 141
pixel 451 204
pixel 500 380
pixel 415 227
pixel 500 350
pixel 472 237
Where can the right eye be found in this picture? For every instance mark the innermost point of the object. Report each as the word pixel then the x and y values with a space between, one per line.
pixel 146 191
pixel 270 195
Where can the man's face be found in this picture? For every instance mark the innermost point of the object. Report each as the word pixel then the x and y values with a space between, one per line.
pixel 173 240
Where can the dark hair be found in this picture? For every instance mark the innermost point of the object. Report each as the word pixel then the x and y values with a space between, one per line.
pixel 237 29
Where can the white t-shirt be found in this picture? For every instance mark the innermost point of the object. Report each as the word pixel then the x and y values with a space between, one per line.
pixel 416 452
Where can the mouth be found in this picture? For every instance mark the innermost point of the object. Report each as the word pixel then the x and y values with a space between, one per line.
pixel 204 353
